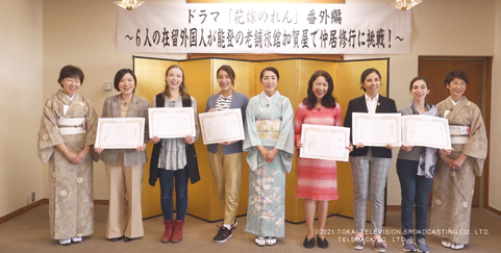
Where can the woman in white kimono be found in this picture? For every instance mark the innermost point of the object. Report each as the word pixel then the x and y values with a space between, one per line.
pixel 455 177
pixel 67 132
pixel 270 145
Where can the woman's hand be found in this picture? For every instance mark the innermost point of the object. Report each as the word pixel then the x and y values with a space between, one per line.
pixel 80 157
pixel 299 144
pixel 458 162
pixel 270 156
pixel 446 151
pixel 389 146
pixel 98 150
pixel 189 139
pixel 350 147
pixel 359 145
pixel 141 148
pixel 406 148
pixel 227 143
pixel 155 139
pixel 212 110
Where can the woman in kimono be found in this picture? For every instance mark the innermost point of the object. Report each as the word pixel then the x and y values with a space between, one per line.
pixel 170 159
pixel 67 132
pixel 225 159
pixel 369 164
pixel 317 178
pixel 124 167
pixel 455 178
pixel 270 145
pixel 415 169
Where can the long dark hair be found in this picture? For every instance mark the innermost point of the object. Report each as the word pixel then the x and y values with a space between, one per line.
pixel 183 91
pixel 328 100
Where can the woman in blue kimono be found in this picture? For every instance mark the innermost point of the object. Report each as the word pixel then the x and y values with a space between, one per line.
pixel 270 145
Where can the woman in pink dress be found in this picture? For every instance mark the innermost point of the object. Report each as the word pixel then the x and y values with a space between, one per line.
pixel 317 178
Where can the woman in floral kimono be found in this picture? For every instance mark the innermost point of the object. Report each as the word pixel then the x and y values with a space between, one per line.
pixel 455 176
pixel 67 132
pixel 270 145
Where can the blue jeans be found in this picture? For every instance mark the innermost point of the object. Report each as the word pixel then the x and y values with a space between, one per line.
pixel 166 190
pixel 415 191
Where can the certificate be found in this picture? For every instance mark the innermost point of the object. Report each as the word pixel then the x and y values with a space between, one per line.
pixel 377 129
pixel 222 126
pixel 425 131
pixel 120 133
pixel 325 142
pixel 168 123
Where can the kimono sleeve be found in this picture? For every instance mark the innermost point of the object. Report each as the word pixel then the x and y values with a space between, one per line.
pixel 477 144
pixel 252 139
pixel 48 135
pixel 285 142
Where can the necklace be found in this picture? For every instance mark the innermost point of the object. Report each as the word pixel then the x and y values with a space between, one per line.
pixel 126 103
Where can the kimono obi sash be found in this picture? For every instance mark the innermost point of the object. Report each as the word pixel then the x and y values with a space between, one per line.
pixel 459 134
pixel 71 126
pixel 268 129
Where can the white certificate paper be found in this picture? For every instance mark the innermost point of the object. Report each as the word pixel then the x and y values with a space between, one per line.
pixel 325 142
pixel 426 131
pixel 168 123
pixel 222 126
pixel 120 133
pixel 377 129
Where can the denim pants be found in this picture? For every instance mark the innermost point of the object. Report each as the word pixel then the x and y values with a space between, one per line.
pixel 166 190
pixel 415 191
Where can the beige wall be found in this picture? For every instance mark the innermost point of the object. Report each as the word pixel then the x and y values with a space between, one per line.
pixel 82 32
pixel 21 99
pixel 495 135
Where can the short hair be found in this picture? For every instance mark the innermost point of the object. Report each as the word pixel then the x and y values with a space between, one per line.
pixel 70 71
pixel 365 74
pixel 272 69
pixel 120 74
pixel 417 78
pixel 229 71
pixel 455 74
pixel 328 100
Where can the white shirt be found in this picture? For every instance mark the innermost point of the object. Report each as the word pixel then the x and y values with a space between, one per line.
pixel 372 103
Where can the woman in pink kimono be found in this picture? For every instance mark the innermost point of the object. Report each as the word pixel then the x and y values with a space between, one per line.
pixel 67 132
pixel 455 176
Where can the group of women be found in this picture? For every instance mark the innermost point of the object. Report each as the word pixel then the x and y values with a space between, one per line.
pixel 68 132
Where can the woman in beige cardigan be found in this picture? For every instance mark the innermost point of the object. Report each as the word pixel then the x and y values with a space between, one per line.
pixel 124 167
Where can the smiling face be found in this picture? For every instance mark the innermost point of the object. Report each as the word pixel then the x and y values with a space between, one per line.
pixel 419 90
pixel 320 87
pixel 371 84
pixel 174 78
pixel 127 84
pixel 70 85
pixel 457 88
pixel 269 82
pixel 224 81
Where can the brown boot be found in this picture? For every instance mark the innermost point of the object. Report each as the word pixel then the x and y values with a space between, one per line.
pixel 168 231
pixel 177 235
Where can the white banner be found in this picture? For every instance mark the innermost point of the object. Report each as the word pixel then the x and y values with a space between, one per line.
pixel 264 28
